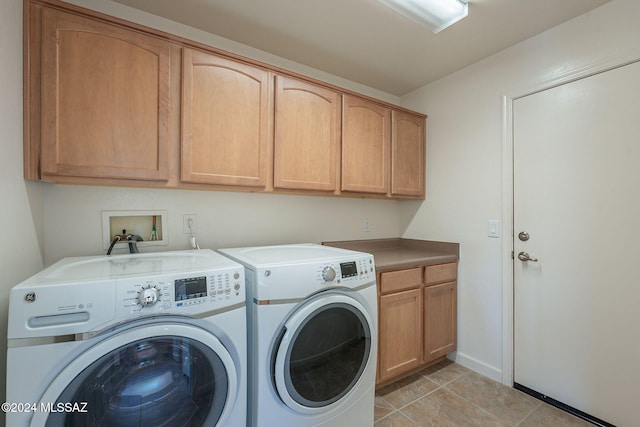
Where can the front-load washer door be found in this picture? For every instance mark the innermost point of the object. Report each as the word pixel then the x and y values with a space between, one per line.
pixel 156 374
pixel 323 351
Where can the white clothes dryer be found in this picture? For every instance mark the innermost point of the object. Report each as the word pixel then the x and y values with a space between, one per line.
pixel 312 324
pixel 155 339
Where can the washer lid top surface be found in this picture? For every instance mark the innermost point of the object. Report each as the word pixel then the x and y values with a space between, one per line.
pixel 130 265
pixel 287 254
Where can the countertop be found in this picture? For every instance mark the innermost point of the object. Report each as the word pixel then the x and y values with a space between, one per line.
pixel 398 253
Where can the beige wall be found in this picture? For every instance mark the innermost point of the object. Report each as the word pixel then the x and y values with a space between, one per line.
pixel 45 222
pixel 21 204
pixel 466 163
pixel 73 218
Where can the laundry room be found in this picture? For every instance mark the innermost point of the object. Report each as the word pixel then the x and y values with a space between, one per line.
pixel 468 195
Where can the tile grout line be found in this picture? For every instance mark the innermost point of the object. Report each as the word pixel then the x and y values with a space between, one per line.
pixel 479 407
pixel 517 423
pixel 535 408
pixel 439 386
pixel 411 402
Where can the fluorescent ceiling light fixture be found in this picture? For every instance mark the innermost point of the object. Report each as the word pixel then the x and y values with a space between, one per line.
pixel 436 15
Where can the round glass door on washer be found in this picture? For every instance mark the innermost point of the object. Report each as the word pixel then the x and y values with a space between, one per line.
pixel 185 377
pixel 323 352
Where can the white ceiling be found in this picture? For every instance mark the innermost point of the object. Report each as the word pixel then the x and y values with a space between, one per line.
pixel 364 41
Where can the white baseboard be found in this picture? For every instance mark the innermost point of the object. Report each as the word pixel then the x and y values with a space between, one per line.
pixel 477 366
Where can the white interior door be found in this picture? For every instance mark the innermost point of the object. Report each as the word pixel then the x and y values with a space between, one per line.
pixel 577 195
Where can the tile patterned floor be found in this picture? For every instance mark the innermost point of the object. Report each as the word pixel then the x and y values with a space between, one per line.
pixel 448 394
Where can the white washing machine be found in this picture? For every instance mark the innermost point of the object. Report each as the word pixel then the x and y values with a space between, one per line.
pixel 132 340
pixel 312 324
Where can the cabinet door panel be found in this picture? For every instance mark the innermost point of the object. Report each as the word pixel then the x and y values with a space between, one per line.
pixel 366 142
pixel 440 316
pixel 226 111
pixel 407 154
pixel 105 93
pixel 307 132
pixel 400 334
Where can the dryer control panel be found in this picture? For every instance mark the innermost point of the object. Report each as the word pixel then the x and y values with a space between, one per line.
pixel 346 270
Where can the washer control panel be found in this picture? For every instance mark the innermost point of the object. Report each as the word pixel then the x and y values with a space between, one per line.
pixel 189 293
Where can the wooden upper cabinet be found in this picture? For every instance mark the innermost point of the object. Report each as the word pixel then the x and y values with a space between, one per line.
pixel 407 154
pixel 105 100
pixel 108 101
pixel 366 137
pixel 226 121
pixel 307 136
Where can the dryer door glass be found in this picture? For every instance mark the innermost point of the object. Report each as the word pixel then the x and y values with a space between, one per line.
pixel 160 381
pixel 326 355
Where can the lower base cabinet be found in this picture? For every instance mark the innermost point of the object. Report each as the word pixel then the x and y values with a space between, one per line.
pixel 439 320
pixel 417 318
pixel 400 327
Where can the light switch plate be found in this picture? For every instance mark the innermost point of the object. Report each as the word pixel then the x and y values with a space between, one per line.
pixel 494 228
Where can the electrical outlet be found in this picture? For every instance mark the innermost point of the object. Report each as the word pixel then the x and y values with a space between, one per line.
pixel 366 225
pixel 189 223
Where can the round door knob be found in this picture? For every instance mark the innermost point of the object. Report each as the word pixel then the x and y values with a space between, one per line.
pixel 148 296
pixel 329 274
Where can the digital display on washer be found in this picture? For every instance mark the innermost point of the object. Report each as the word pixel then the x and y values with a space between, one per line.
pixel 348 269
pixel 193 287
